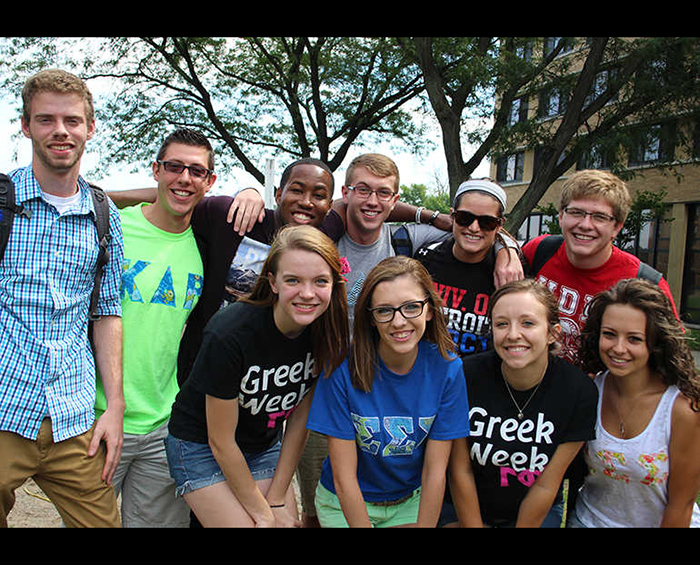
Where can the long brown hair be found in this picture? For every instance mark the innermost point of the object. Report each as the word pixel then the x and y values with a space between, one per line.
pixel 364 356
pixel 330 333
pixel 669 354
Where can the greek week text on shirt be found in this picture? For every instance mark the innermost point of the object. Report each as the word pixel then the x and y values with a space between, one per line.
pixel 520 464
pixel 258 380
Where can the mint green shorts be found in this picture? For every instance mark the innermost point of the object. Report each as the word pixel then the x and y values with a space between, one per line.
pixel 330 514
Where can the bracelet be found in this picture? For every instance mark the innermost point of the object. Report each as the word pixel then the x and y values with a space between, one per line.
pixel 418 212
pixel 277 505
pixel 431 221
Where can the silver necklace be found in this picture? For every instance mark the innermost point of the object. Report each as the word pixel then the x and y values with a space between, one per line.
pixel 520 410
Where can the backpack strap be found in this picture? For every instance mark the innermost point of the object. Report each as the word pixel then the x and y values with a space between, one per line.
pixel 99 199
pixel 649 273
pixel 401 241
pixel 8 209
pixel 544 252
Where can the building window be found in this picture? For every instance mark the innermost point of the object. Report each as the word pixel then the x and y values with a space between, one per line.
pixel 550 44
pixel 690 296
pixel 597 157
pixel 535 225
pixel 552 102
pixel 524 51
pixel 518 111
pixel 510 168
pixel 600 85
pixel 653 144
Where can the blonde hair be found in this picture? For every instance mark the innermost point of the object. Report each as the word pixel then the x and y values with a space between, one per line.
pixel 59 82
pixel 375 163
pixel 364 357
pixel 592 183
pixel 330 333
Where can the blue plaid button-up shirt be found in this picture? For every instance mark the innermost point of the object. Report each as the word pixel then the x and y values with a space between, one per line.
pixel 46 277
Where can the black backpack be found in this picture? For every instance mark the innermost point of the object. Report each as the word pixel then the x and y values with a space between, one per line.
pixel 549 245
pixel 9 209
pixel 401 241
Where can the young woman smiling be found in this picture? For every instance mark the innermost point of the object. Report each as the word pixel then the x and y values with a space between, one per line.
pixel 227 451
pixel 645 461
pixel 530 413
pixel 463 265
pixel 392 409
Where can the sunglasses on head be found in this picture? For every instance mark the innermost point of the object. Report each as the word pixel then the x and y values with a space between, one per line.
pixel 486 223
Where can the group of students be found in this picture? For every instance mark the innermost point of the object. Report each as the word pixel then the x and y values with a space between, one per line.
pixel 442 388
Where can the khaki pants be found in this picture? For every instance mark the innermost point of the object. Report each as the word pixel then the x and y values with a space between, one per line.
pixel 65 473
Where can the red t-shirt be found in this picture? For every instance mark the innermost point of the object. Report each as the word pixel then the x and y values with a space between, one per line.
pixel 575 287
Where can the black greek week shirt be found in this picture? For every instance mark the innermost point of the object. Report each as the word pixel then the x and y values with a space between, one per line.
pixel 218 244
pixel 508 454
pixel 465 289
pixel 245 356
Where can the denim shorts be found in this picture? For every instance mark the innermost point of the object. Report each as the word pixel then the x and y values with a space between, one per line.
pixel 193 465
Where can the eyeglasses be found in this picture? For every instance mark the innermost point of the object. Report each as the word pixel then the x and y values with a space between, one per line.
pixel 385 314
pixel 487 223
pixel 195 171
pixel 383 194
pixel 596 217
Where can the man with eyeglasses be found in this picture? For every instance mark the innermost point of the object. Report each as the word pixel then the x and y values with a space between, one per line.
pixel 593 207
pixel 162 282
pixel 370 193
pixel 463 265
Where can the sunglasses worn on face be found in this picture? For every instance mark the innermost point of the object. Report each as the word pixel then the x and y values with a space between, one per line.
pixel 195 171
pixel 486 223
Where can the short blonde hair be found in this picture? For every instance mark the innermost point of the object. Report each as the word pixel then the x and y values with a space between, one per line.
pixel 597 184
pixel 59 82
pixel 375 163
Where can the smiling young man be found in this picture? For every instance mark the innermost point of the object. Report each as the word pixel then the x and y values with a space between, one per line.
pixel 48 429
pixel 370 193
pixel 592 210
pixel 161 284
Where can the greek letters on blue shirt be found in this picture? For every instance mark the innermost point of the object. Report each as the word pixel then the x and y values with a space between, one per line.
pixel 405 434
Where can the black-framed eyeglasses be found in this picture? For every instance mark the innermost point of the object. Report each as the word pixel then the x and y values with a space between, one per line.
pixel 196 171
pixel 596 217
pixel 465 218
pixel 385 314
pixel 383 194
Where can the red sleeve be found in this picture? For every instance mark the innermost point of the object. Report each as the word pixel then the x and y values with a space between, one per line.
pixel 663 285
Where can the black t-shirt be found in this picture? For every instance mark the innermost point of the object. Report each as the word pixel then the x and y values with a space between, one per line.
pixel 465 289
pixel 245 356
pixel 218 244
pixel 507 454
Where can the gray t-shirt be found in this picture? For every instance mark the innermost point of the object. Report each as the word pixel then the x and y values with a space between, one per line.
pixel 361 259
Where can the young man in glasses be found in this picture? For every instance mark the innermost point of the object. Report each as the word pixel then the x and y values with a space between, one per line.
pixel 593 207
pixel 162 281
pixel 463 265
pixel 48 429
pixel 370 193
